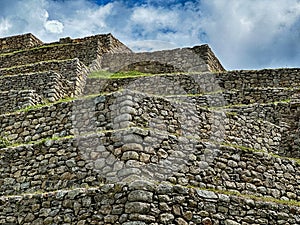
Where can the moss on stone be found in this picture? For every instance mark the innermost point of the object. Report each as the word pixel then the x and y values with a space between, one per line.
pixel 118 75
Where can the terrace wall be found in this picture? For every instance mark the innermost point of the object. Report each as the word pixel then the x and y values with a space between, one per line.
pixel 130 109
pixel 49 85
pixel 72 70
pixel 87 50
pixel 245 82
pixel 199 58
pixel 259 78
pixel 143 203
pixel 130 154
pixel 19 42
pixel 14 100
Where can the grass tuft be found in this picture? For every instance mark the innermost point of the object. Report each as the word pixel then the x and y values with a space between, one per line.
pixel 4 142
pixel 122 74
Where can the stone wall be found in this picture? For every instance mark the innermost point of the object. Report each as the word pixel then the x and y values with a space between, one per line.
pixel 143 203
pixel 190 148
pixel 258 95
pixel 207 54
pixel 199 58
pixel 283 114
pixel 181 84
pixel 15 100
pixel 203 92
pixel 49 85
pixel 154 67
pixel 186 88
pixel 125 109
pixel 106 42
pixel 259 78
pixel 86 50
pixel 244 97
pixel 254 86
pixel 19 42
pixel 128 154
pixel 77 163
pixel 291 143
pixel 72 70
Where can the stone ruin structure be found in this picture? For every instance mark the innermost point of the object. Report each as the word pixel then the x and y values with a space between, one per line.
pixel 186 142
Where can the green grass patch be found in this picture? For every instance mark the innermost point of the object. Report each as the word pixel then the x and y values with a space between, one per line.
pixel 248 149
pixel 243 148
pixel 249 105
pixel 52 45
pixel 38 142
pixel 35 48
pixel 122 74
pixel 103 74
pixel 297 160
pixel 4 142
pixel 33 107
pixel 46 103
pixel 34 64
pixel 254 197
pixel 231 114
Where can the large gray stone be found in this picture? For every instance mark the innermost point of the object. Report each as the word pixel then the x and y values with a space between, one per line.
pixel 140 195
pixel 137 207
pixel 207 194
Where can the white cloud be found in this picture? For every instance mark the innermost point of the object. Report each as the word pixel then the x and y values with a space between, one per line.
pixel 99 15
pixel 150 45
pixel 176 25
pixel 54 26
pixel 152 19
pixel 50 20
pixel 82 20
pixel 246 33
pixel 243 34
pixel 4 26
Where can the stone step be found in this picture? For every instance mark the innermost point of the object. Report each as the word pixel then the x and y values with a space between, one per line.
pixel 49 85
pixel 199 58
pixel 123 155
pixel 13 100
pixel 143 202
pixel 164 84
pixel 238 97
pixel 284 114
pixel 252 90
pixel 133 109
pixel 59 119
pixel 87 50
pixel 241 79
pixel 71 70
pixel 18 43
pixel 38 54
pixel 64 67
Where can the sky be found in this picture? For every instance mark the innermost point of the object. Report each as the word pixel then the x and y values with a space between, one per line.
pixel 244 34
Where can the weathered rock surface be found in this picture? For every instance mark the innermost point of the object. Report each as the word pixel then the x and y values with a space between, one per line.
pixel 207 147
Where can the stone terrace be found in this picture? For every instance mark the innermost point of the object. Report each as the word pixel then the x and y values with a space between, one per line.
pixel 185 143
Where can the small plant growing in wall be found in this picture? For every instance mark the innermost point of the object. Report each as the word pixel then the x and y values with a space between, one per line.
pixel 4 142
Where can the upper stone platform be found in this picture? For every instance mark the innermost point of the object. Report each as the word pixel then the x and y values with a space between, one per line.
pixel 106 52
pixel 197 59
pixel 19 42
pixel 61 68
pixel 27 49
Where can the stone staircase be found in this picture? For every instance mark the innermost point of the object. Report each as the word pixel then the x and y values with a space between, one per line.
pixel 181 148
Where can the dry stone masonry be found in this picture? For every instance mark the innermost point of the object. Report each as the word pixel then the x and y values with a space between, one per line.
pixel 185 142
pixel 198 58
